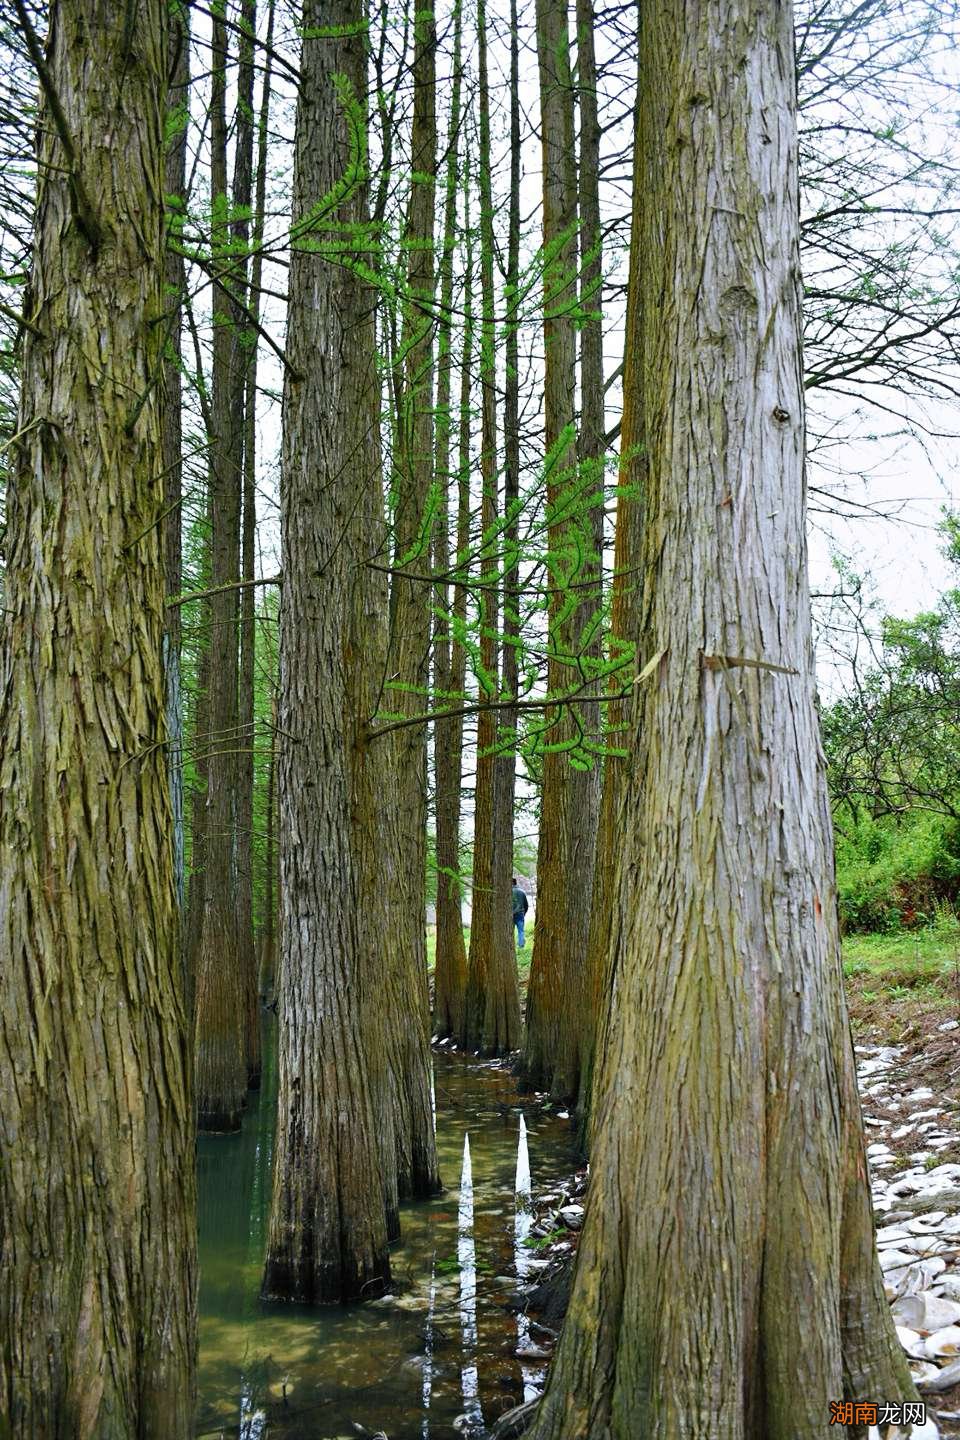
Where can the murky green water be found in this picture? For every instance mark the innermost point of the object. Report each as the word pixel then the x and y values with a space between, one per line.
pixel 438 1359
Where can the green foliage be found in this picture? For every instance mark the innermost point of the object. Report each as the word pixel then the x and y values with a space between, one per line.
pixel 175 122
pixel 893 872
pixel 524 863
pixel 543 1242
pixel 892 744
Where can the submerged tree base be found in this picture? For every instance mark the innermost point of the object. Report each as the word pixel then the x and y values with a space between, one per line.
pixel 298 1277
pixel 219 1122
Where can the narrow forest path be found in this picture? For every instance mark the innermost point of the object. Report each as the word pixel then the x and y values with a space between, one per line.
pixel 443 1354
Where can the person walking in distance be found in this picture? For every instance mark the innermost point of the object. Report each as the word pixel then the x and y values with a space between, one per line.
pixel 520 907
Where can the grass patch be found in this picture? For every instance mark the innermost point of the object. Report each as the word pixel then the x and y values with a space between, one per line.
pixel 906 962
pixel 899 981
pixel 524 956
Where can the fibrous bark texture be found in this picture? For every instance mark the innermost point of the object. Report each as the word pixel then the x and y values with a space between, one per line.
pixel 97 1192
pixel 624 625
pixel 267 959
pixel 268 939
pixel 408 1040
pixel 385 998
pixel 221 1030
pixel 174 187
pixel 493 1001
pixel 328 1235
pixel 570 798
pixel 505 997
pixel 584 799
pixel 244 407
pixel 450 967
pixel 730 1192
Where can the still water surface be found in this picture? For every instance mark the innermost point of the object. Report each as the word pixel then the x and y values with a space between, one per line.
pixel 437 1360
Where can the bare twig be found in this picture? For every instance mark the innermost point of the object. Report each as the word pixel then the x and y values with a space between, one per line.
pixel 176 600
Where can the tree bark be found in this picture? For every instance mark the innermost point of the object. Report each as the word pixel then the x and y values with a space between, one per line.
pixel 244 407
pixel 450 967
pixel 387 998
pixel 220 1046
pixel 197 714
pixel 328 1234
pixel 483 906
pixel 266 966
pixel 730 1189
pixel 493 1002
pixel 509 678
pixel 409 1039
pixel 197 796
pixel 97 1190
pixel 268 943
pixel 577 1017
pixel 174 189
pixel 452 915
pixel 570 798
pixel 624 622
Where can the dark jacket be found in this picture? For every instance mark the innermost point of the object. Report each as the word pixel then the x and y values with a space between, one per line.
pixel 520 902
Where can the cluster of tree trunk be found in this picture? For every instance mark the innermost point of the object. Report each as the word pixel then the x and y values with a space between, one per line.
pixel 685 984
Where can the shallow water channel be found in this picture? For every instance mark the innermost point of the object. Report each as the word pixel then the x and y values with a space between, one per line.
pixel 436 1360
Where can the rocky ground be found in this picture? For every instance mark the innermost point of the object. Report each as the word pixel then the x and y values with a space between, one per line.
pixel 910 1089
pixel 910 1107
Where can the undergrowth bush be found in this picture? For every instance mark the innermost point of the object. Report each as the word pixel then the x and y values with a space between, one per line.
pixel 893 875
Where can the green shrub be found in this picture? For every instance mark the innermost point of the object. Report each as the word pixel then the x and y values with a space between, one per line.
pixel 892 875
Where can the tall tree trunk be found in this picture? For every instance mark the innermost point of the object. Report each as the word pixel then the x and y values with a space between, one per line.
pixel 730 1190
pixel 482 905
pixel 198 813
pixel 244 407
pixel 268 942
pixel 174 189
pixel 570 798
pixel 493 1003
pixel 389 1004
pixel 266 964
pixel 199 735
pixel 605 921
pixel 328 1233
pixel 450 968
pixel 592 450
pixel 97 1191
pixel 507 761
pixel 458 651
pixel 221 1062
pixel 409 1039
